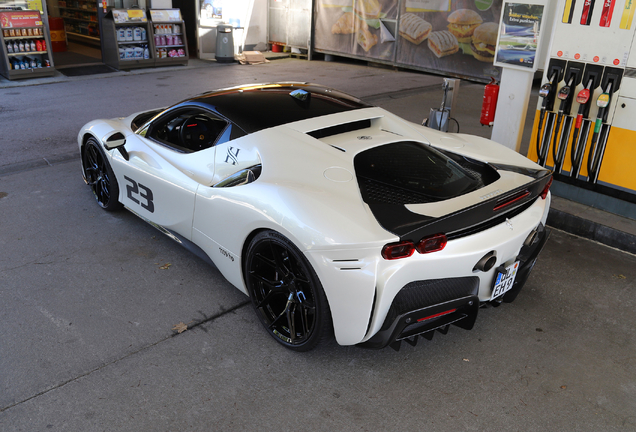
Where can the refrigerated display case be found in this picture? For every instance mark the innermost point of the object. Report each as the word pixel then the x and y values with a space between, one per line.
pixel 25 46
pixel 169 37
pixel 126 40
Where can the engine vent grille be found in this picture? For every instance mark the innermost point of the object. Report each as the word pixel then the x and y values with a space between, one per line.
pixel 340 129
pixel 376 191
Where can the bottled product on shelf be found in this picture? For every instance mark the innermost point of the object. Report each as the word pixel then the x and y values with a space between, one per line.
pixel 132 42
pixel 170 53
pixel 169 38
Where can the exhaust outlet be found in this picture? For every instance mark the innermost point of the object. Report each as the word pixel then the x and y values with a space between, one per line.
pixel 534 235
pixel 487 262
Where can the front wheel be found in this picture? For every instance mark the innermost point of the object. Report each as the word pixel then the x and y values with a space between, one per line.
pixel 286 293
pixel 100 176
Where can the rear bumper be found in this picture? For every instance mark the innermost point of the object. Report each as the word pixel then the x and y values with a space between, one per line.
pixel 527 258
pixel 422 307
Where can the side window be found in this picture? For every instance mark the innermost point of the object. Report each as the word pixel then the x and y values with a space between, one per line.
pixel 187 130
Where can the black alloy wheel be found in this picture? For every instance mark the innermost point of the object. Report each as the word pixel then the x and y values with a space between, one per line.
pixel 100 176
pixel 286 293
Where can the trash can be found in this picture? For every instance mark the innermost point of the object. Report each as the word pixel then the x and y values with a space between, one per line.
pixel 224 44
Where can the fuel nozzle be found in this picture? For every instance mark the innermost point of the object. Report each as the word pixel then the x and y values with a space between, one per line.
pixel 602 103
pixel 564 95
pixel 596 148
pixel 547 90
pixel 544 92
pixel 583 96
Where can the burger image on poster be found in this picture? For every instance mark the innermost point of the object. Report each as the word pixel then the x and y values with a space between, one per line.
pixel 462 23
pixel 484 41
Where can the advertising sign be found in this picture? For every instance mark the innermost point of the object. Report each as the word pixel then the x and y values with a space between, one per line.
pixel 130 15
pixel 519 35
pixel 165 15
pixel 17 19
pixel 455 37
pixel 361 28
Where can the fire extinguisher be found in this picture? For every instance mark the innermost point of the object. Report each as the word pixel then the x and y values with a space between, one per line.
pixel 489 105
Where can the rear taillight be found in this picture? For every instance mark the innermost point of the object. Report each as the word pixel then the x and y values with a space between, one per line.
pixel 432 244
pixel 546 189
pixel 393 251
pixel 405 249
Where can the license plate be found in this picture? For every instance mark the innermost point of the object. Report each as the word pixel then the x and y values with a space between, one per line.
pixel 505 280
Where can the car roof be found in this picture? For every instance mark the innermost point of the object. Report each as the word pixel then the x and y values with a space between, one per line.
pixel 253 108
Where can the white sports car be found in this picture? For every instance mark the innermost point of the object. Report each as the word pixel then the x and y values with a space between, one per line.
pixel 334 216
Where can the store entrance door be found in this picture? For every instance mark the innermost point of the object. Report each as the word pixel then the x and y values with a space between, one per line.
pixel 75 32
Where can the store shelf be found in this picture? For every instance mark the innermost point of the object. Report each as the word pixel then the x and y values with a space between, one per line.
pixel 76 18
pixel 165 29
pixel 23 53
pixel 11 63
pixel 145 42
pixel 23 37
pixel 91 38
pixel 79 10
pixel 79 19
pixel 31 73
pixel 119 54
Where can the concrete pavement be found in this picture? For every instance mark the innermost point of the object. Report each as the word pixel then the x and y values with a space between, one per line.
pixel 87 341
pixel 88 303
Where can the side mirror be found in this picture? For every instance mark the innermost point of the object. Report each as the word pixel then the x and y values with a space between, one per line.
pixel 117 141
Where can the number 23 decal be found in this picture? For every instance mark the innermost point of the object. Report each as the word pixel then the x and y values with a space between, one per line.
pixel 132 190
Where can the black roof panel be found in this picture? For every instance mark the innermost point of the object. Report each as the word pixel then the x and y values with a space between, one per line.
pixel 253 108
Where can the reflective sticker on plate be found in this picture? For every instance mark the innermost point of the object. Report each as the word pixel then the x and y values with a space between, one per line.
pixel 505 281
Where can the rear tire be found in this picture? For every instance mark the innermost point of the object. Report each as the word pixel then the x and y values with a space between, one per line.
pixel 100 177
pixel 286 293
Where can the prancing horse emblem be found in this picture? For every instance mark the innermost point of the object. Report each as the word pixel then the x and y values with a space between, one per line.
pixel 232 155
pixel 509 224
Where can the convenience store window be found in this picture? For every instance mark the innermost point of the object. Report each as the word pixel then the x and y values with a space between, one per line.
pixel 81 21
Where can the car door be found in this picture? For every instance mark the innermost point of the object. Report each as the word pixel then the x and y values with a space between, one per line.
pixel 166 166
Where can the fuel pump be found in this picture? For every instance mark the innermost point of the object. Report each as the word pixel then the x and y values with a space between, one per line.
pixel 547 93
pixel 566 96
pixel 592 129
pixel 611 82
pixel 591 79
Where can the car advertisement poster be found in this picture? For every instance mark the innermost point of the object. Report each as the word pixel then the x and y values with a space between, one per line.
pixel 453 37
pixel 519 35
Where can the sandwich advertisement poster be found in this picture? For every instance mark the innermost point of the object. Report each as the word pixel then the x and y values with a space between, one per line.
pixel 456 37
pixel 519 35
pixel 362 28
